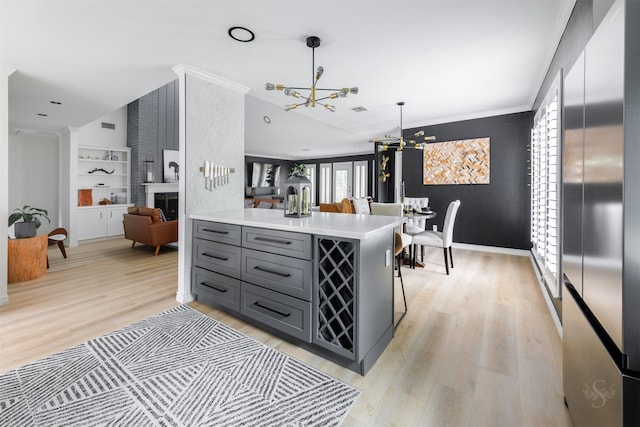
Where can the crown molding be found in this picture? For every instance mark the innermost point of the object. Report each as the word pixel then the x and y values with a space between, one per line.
pixel 184 69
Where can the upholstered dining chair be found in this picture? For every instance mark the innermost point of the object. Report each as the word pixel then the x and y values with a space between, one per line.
pixel 440 239
pixel 391 209
pixel 400 241
pixel 415 225
pixel 397 251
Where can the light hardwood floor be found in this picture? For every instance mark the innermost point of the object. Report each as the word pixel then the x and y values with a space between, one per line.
pixel 477 348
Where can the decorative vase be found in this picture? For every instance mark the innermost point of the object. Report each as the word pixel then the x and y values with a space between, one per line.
pixel 24 229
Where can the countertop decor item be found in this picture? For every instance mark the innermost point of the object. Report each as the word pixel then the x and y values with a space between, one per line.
pixel 311 99
pixel 298 194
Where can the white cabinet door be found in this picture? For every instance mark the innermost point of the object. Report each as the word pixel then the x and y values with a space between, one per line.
pixel 114 220
pixel 92 223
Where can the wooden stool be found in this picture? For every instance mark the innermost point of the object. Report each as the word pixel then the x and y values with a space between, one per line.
pixel 27 258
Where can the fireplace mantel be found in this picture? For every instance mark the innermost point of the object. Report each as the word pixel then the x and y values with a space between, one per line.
pixel 162 187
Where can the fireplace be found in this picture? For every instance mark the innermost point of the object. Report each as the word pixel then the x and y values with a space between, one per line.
pixel 163 196
pixel 168 202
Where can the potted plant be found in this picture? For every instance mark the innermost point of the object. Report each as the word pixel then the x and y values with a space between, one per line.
pixel 30 221
pixel 298 170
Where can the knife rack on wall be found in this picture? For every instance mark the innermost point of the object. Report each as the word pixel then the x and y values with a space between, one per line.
pixel 215 175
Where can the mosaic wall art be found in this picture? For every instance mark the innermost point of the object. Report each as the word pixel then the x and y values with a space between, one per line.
pixel 457 162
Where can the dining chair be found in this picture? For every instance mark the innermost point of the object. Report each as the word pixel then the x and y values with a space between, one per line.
pixel 440 239
pixel 57 237
pixel 400 241
pixel 418 224
pixel 391 209
pixel 398 251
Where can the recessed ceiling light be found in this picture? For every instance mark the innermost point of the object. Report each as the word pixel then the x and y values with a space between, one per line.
pixel 267 119
pixel 359 109
pixel 42 114
pixel 241 34
pixel 56 102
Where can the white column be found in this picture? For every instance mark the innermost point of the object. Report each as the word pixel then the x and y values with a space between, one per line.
pixel 4 176
pixel 211 127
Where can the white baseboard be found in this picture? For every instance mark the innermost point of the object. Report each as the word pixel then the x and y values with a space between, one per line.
pixel 4 300
pixel 493 249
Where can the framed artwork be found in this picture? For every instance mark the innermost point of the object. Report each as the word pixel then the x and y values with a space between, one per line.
pixel 171 168
pixel 265 175
pixel 457 162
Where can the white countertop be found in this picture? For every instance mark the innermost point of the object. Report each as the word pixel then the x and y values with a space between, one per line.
pixel 352 226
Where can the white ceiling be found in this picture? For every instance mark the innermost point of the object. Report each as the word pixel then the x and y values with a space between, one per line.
pixel 447 59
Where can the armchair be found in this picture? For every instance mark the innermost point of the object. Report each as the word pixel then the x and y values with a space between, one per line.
pixel 144 225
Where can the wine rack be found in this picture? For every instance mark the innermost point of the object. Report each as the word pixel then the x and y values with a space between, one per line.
pixel 336 308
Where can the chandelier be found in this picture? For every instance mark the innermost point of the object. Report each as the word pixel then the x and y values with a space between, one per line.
pixel 390 141
pixel 312 99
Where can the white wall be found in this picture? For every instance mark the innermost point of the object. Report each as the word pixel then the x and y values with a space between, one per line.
pixel 34 175
pixel 94 134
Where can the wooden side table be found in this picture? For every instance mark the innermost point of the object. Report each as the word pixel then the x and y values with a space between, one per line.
pixel 27 258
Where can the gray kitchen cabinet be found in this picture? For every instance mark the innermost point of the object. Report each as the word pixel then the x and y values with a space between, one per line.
pixel 328 294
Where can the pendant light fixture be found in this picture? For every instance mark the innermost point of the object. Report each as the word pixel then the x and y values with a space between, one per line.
pixel 399 143
pixel 312 98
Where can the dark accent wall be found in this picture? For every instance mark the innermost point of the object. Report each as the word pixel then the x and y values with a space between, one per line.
pixel 152 126
pixel 385 190
pixel 495 214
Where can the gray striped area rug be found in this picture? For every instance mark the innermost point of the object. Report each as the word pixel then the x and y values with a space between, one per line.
pixel 178 368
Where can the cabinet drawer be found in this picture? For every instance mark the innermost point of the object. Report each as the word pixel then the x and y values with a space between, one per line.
pixel 283 274
pixel 216 288
pixel 289 315
pixel 296 245
pixel 218 257
pixel 218 232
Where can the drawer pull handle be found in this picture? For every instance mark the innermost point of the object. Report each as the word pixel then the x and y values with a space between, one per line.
pixel 215 231
pixel 221 258
pixel 257 304
pixel 270 240
pixel 209 285
pixel 266 270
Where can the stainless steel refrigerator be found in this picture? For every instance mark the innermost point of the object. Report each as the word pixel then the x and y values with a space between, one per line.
pixel 601 225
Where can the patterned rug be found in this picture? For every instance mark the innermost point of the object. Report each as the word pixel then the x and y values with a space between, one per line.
pixel 179 368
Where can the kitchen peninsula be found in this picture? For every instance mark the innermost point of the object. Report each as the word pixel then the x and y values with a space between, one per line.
pixel 323 282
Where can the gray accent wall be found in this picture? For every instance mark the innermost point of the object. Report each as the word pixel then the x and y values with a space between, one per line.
pixel 152 126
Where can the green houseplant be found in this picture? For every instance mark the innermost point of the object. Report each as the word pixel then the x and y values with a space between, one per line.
pixel 297 170
pixel 27 220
